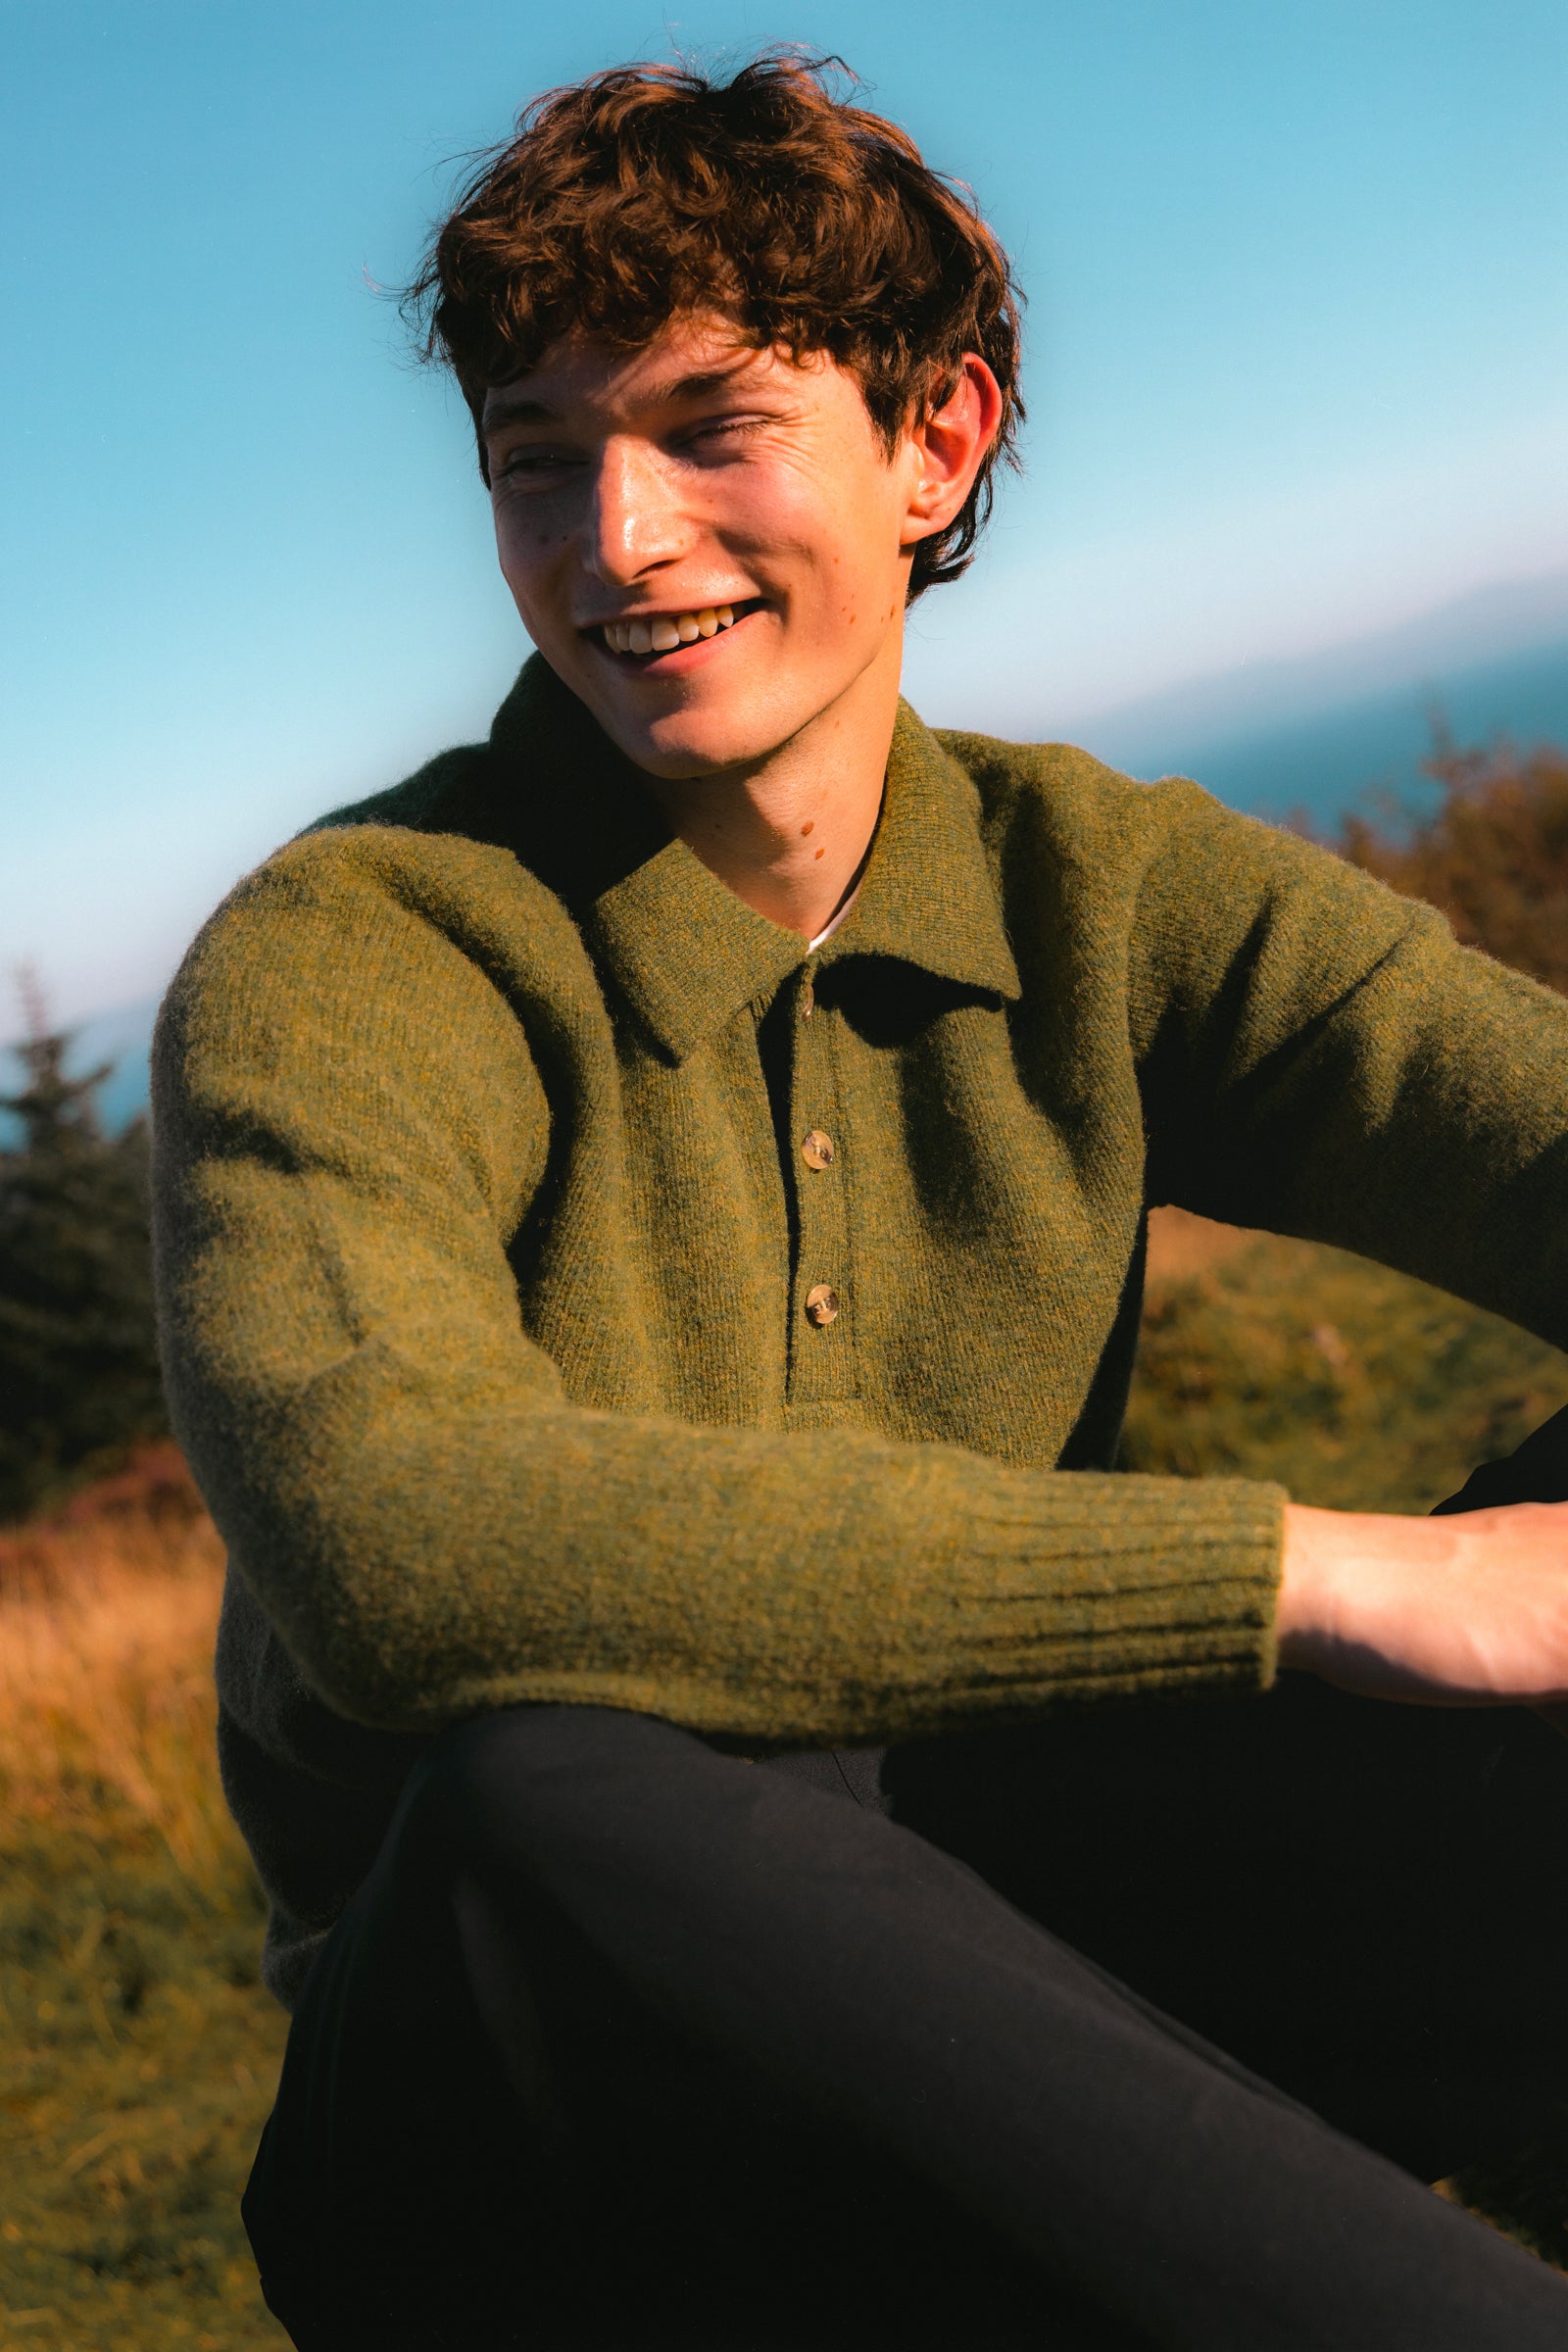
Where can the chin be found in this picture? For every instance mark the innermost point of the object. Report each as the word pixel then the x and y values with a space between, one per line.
pixel 688 764
pixel 685 747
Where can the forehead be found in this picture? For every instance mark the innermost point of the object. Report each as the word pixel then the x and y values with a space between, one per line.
pixel 689 360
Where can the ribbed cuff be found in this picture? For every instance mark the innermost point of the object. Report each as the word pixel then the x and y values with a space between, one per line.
pixel 1082 1585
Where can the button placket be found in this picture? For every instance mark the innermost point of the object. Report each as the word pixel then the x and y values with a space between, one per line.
pixel 820 1355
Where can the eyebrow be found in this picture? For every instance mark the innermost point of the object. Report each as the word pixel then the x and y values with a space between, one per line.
pixel 507 404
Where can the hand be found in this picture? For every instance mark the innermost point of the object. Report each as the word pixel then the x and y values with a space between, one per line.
pixel 1463 1611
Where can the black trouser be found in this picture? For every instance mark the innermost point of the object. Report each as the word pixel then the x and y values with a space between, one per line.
pixel 627 2043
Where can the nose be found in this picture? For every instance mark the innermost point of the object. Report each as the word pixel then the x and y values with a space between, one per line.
pixel 635 522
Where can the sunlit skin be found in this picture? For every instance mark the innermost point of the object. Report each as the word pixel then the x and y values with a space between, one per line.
pixel 696 472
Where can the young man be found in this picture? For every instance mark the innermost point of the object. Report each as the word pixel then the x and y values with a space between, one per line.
pixel 650 1219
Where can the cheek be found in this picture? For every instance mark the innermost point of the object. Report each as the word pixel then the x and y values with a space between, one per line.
pixel 853 572
pixel 835 548
pixel 526 550
pixel 510 544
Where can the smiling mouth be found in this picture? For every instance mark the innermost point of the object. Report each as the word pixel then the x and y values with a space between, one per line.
pixel 652 634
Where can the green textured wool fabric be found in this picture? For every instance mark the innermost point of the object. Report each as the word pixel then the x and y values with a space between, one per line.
pixel 485 1238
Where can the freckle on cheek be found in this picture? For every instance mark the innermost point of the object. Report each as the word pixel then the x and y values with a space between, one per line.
pixel 808 828
pixel 819 854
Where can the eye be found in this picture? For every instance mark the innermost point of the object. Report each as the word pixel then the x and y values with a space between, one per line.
pixel 530 459
pixel 719 429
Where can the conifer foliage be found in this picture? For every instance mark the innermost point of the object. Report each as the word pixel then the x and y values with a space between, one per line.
pixel 78 1359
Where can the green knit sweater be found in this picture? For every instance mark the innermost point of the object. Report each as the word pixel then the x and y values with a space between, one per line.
pixel 498 1294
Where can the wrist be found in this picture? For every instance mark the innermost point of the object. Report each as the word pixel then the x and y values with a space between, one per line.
pixel 1304 1614
pixel 1339 1571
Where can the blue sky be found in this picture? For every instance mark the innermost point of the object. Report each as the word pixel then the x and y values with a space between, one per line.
pixel 1297 336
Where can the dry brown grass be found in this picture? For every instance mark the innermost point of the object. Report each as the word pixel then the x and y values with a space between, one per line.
pixel 137 2050
pixel 107 1616
pixel 1181 1244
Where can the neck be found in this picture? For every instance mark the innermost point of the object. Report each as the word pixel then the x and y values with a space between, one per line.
pixel 789 833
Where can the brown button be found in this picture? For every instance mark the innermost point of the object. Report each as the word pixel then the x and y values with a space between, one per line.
pixel 821 1303
pixel 816 1149
pixel 807 1001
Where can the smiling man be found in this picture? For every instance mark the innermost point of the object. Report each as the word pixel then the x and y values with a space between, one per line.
pixel 650 1224
pixel 711 546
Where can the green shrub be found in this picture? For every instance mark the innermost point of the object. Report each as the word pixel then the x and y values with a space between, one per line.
pixel 1493 855
pixel 78 1359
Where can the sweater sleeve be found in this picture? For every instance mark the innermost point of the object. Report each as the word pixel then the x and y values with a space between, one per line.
pixel 1322 1059
pixel 351 1123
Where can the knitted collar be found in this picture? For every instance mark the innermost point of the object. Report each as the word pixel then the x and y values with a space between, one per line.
pixel 685 951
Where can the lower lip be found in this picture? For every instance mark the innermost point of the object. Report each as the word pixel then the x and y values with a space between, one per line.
pixel 681 657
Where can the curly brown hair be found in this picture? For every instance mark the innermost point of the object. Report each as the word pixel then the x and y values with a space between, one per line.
pixel 652 193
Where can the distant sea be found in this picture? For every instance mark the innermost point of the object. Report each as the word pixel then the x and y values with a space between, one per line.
pixel 1325 762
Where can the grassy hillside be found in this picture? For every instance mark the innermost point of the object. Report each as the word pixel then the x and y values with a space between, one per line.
pixel 1359 1390
pixel 137 2050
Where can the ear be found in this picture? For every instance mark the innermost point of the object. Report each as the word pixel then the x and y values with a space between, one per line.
pixel 946 448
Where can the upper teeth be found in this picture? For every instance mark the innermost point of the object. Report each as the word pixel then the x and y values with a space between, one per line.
pixel 665 630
